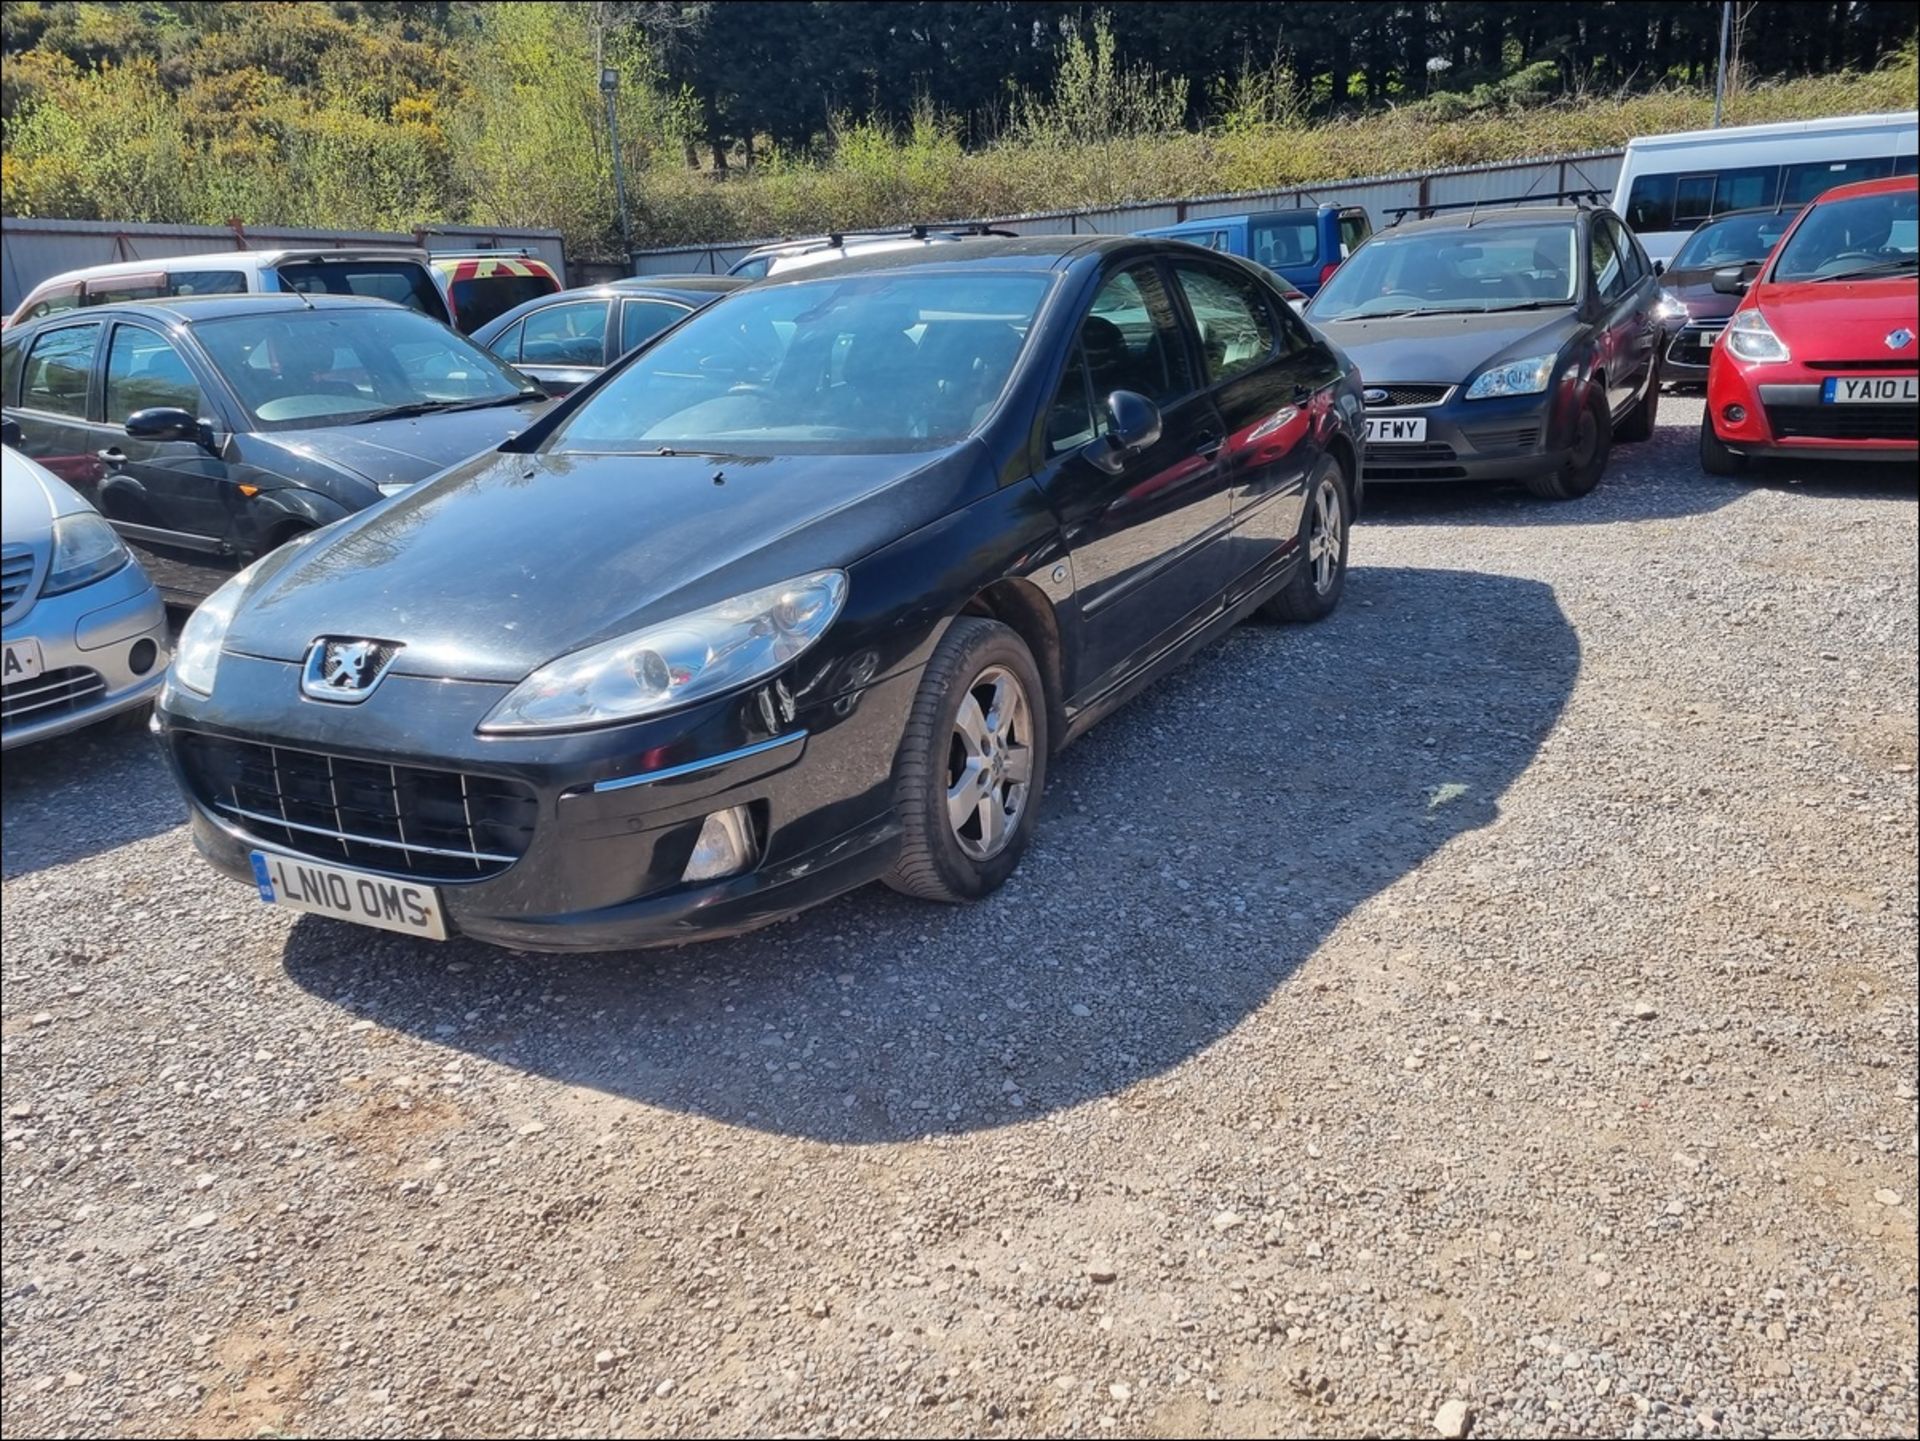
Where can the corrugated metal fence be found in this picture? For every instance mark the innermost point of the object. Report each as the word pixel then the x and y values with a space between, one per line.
pixel 32 250
pixel 1588 170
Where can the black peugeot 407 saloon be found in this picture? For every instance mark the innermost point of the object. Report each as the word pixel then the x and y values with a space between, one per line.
pixel 800 595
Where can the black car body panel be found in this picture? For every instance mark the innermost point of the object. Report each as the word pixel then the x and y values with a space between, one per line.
pixel 604 322
pixel 1689 339
pixel 511 560
pixel 1420 366
pixel 200 509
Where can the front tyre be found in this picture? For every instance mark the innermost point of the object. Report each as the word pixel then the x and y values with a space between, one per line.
pixel 1638 424
pixel 1715 458
pixel 1321 574
pixel 1586 457
pixel 971 766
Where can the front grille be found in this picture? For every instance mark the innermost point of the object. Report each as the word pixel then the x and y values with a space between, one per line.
pixel 1491 440
pixel 1844 422
pixel 16 576
pixel 406 820
pixel 49 694
pixel 1692 344
pixel 1885 367
pixel 1432 461
pixel 1402 395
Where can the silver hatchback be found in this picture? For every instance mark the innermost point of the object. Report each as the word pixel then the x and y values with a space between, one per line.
pixel 85 634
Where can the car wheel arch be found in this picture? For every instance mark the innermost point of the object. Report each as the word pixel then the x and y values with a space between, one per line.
pixel 1023 608
pixel 1347 455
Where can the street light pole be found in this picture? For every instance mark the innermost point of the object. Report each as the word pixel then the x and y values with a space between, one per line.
pixel 1720 76
pixel 610 83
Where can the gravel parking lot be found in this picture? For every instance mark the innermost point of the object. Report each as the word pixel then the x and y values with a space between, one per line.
pixel 1537 1055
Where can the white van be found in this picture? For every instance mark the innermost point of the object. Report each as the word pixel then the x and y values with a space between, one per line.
pixel 1671 183
pixel 396 274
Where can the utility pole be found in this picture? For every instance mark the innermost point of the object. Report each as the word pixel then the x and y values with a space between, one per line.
pixel 609 84
pixel 1720 76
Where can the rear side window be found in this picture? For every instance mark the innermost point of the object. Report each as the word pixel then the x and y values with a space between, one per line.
pixel 753 269
pixel 574 334
pixel 48 302
pixel 641 320
pixel 1283 240
pixel 482 298
pixel 1609 276
pixel 143 371
pixel 208 282
pixel 1354 228
pixel 401 281
pixel 58 368
pixel 1802 183
pixel 1132 340
pixel 113 290
pixel 1236 328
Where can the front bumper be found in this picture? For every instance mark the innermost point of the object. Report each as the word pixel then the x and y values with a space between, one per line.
pixel 1689 350
pixel 1506 438
pixel 614 813
pixel 90 640
pixel 1785 417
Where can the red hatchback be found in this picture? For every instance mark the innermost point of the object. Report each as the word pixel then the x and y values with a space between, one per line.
pixel 1820 360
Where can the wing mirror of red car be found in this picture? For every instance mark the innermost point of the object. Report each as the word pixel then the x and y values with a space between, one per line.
pixel 1732 280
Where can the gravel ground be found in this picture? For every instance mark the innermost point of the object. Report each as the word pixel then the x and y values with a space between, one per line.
pixel 1492 1009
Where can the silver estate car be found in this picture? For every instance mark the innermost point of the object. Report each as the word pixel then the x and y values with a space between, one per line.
pixel 85 634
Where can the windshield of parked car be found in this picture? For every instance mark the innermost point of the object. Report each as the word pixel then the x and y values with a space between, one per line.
pixel 1444 272
pixel 298 368
pixel 870 363
pixel 1736 240
pixel 1862 235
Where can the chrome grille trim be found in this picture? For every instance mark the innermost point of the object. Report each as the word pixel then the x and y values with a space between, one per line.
pixel 16 579
pixel 51 692
pixel 1411 395
pixel 360 840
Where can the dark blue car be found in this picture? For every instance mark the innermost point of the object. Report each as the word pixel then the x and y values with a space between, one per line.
pixel 1303 245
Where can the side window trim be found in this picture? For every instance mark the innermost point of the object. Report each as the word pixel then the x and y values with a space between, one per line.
pixel 208 410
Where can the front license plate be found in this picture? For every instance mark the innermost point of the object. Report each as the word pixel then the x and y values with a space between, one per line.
pixel 1382 431
pixel 21 661
pixel 303 885
pixel 1871 390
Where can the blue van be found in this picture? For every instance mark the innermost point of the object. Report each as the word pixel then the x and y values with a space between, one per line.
pixel 1304 245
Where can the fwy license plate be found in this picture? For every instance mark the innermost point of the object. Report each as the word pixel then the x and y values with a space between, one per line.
pixel 302 885
pixel 1382 431
pixel 1871 390
pixel 21 661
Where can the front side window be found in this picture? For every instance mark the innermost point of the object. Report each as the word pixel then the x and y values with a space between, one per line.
pixel 301 368
pixel 1132 341
pixel 1442 272
pixel 875 363
pixel 400 281
pixel 641 320
pixel 58 369
pixel 572 334
pixel 1862 235
pixel 1283 240
pixel 143 371
pixel 1235 325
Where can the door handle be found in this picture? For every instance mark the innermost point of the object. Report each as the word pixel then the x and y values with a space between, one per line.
pixel 1209 446
pixel 113 455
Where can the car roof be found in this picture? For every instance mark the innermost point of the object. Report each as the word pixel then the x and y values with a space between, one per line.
pixel 231 260
pixel 188 309
pixel 1030 253
pixel 1886 185
pixel 1481 219
pixel 696 290
pixel 677 284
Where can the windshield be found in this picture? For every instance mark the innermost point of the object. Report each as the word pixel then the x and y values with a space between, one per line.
pixel 1864 234
pixel 1429 272
pixel 404 282
pixel 300 368
pixel 886 362
pixel 1737 240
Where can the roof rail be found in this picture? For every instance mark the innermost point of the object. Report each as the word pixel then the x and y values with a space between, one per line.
pixel 1582 198
pixel 839 238
pixel 488 252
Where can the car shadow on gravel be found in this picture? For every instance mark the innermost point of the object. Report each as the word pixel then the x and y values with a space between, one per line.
pixel 1195 850
pixel 77 795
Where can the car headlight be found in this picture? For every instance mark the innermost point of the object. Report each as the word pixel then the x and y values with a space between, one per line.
pixel 680 661
pixel 85 549
pixel 1514 377
pixel 1670 309
pixel 197 655
pixel 1751 338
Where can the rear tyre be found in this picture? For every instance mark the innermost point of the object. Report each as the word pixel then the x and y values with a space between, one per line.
pixel 971 766
pixel 1715 458
pixel 1321 573
pixel 1637 424
pixel 1587 457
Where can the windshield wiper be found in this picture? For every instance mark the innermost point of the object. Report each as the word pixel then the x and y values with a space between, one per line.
pixel 441 407
pixel 672 450
pixel 1884 267
pixel 1528 305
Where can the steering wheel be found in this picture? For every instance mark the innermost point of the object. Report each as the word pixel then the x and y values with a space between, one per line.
pixel 1848 255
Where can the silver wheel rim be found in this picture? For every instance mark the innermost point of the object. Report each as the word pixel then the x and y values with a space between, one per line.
pixel 1323 540
pixel 989 763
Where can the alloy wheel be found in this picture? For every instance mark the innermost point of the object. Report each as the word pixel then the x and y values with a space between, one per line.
pixel 989 763
pixel 1324 539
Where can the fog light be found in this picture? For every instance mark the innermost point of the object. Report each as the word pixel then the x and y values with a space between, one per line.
pixel 141 658
pixel 1734 414
pixel 725 846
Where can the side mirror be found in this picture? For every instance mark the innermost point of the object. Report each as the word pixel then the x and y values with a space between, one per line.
pixel 10 433
pixel 1659 267
pixel 163 422
pixel 1133 424
pixel 1732 280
